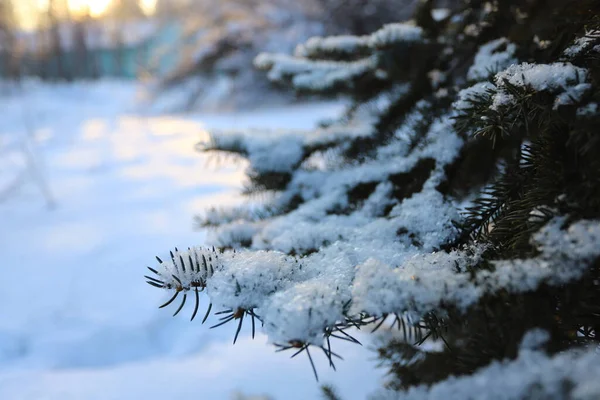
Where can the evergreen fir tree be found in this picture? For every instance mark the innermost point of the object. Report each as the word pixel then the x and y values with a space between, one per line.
pixel 457 203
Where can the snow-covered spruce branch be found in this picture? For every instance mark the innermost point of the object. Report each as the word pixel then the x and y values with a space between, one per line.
pixel 282 151
pixel 349 46
pixel 307 74
pixel 303 302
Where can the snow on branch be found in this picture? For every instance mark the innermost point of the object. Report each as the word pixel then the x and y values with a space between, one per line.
pixel 347 45
pixel 344 45
pixel 491 58
pixel 283 150
pixel 591 40
pixel 565 256
pixel 274 151
pixel 426 281
pixel 313 75
pixel 300 299
pixel 571 374
pixel 378 232
pixel 392 34
pixel 566 81
pixel 318 75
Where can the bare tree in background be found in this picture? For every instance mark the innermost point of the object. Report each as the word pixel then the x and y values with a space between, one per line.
pixel 54 54
pixel 82 59
pixel 8 43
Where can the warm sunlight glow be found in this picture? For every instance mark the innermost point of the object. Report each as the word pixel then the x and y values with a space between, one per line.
pixel 148 6
pixel 96 8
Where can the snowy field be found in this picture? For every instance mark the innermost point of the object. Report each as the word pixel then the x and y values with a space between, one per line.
pixel 91 189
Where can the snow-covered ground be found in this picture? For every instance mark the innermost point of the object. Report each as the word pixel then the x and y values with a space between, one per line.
pixel 104 189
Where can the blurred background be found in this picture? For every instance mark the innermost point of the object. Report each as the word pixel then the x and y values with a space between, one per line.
pixel 102 102
pixel 200 49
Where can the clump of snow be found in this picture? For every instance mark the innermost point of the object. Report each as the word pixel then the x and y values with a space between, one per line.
pixel 303 311
pixel 250 277
pixel 491 58
pixel 501 99
pixel 563 79
pixel 467 96
pixel 579 242
pixel 419 285
pixel 551 77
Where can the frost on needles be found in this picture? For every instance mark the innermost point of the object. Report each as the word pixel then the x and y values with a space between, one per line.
pixel 456 203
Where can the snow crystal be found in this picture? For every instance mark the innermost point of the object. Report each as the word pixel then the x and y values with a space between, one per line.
pixel 490 59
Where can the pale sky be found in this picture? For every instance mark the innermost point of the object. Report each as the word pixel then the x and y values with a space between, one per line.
pixel 27 11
